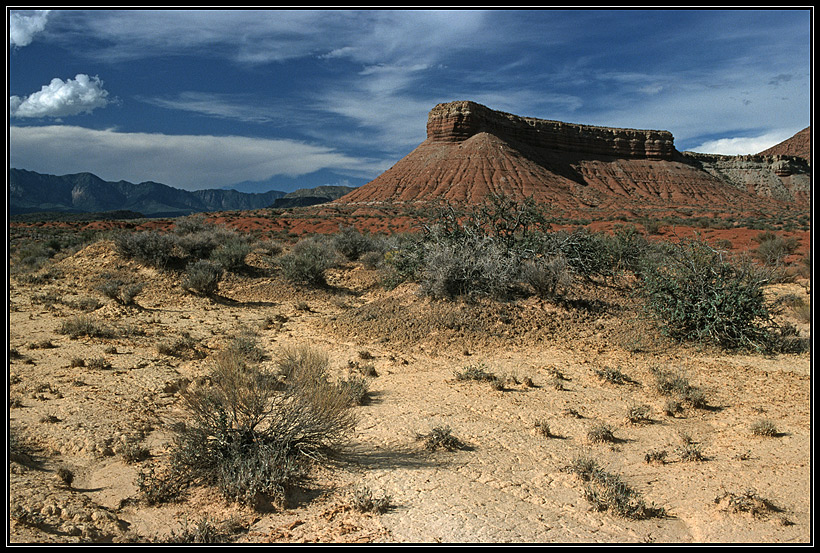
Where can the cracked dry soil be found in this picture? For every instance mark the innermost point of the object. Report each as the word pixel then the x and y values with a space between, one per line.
pixel 508 483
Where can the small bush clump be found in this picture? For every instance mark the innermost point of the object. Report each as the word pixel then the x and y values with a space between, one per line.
pixel 548 277
pixel 746 502
pixel 121 291
pixel 148 247
pixel 441 437
pixel 475 372
pixel 308 260
pixel 607 492
pixel 638 413
pixel 353 244
pixel 613 376
pixel 676 385
pixel 363 499
pixel 473 267
pixel 601 433
pixel 202 277
pixel 764 427
pixel 82 325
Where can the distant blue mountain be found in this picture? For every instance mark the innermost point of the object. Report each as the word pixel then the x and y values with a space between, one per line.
pixel 85 192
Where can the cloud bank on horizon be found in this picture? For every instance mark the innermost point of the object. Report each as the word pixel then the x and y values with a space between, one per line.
pixel 205 99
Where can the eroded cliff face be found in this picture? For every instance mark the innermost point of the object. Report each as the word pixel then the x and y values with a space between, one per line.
pixel 457 121
pixel 472 151
pixel 782 177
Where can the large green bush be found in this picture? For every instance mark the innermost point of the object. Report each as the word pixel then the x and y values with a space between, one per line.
pixel 701 296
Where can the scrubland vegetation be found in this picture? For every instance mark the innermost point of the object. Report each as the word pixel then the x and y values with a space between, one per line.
pixel 258 423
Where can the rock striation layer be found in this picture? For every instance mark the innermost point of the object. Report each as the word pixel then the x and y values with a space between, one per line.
pixel 472 151
pixel 458 121
pixel 782 177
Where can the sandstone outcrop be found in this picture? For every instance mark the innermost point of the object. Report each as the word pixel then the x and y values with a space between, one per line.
pixel 782 177
pixel 799 145
pixel 457 121
pixel 472 151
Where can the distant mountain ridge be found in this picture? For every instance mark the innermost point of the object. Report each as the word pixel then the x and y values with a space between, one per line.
pixel 311 196
pixel 30 192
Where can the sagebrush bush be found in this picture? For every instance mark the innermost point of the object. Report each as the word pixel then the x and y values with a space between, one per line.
pixel 148 247
pixel 471 268
pixel 121 291
pixel 231 253
pixel 700 296
pixel 676 385
pixel 607 492
pixel 773 249
pixel 308 260
pixel 253 433
pixel 548 277
pixel 82 325
pixel 589 255
pixel 353 244
pixel 202 277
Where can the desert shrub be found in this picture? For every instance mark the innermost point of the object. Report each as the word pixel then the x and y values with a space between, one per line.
pixel 353 244
pixel 542 427
pixel 471 268
pixel 676 385
pixel 628 249
pixel 202 277
pixel 510 223
pixel 773 249
pixel 764 427
pixel 403 259
pixel 655 456
pixel 475 372
pixel 356 388
pixel 589 255
pixel 132 452
pixel 746 502
pixel 99 363
pixel 613 376
pixel 82 325
pixel 308 260
pixel 363 499
pixel 246 345
pixel 148 247
pixel 231 253
pixel 183 345
pixel 191 224
pixel 638 413
pixel 205 530
pixel 254 433
pixel 441 437
pixel 548 277
pixel 690 453
pixel 121 291
pixel 699 296
pixel 601 433
pixel 607 492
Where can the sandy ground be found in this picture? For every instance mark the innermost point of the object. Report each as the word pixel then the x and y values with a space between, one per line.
pixel 508 484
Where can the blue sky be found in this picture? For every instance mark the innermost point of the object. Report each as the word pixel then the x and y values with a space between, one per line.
pixel 282 100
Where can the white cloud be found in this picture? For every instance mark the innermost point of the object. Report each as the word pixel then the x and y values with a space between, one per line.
pixel 22 28
pixel 743 145
pixel 184 161
pixel 83 94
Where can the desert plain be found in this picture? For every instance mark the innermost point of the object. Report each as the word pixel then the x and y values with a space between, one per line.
pixel 79 407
